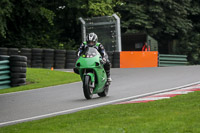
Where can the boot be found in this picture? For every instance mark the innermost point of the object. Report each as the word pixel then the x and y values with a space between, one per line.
pixel 76 70
pixel 109 79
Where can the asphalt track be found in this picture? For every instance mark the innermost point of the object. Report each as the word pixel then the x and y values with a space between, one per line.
pixel 127 84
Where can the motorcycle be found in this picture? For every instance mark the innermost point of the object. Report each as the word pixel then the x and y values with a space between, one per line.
pixel 90 67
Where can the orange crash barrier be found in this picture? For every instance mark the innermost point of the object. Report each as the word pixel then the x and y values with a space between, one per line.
pixel 135 59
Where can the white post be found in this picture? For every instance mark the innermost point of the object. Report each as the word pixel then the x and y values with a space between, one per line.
pixel 118 30
pixel 83 29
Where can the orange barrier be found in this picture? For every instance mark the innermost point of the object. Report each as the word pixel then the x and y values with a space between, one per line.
pixel 130 59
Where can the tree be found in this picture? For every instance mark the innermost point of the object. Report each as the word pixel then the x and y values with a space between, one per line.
pixel 163 19
pixel 52 24
pixel 5 10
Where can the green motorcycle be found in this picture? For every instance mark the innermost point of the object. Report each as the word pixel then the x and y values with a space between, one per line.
pixel 90 67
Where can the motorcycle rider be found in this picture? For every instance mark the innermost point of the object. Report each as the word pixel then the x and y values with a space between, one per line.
pixel 92 41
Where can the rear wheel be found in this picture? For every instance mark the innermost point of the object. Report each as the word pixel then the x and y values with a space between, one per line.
pixel 87 89
pixel 105 92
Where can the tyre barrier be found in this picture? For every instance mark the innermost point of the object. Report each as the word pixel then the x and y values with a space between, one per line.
pixel 116 60
pixel 4 72
pixel 3 51
pixel 71 58
pixel 18 69
pixel 48 58
pixel 13 51
pixel 59 60
pixel 26 52
pixel 37 58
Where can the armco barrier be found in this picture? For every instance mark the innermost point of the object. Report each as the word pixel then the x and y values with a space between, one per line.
pixel 172 60
pixel 4 72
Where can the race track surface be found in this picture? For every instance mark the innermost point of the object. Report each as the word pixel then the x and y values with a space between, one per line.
pixel 50 101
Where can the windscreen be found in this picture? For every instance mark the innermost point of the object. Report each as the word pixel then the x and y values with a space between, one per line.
pixel 89 52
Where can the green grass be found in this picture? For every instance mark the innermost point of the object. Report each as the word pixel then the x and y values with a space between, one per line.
pixel 38 78
pixel 180 114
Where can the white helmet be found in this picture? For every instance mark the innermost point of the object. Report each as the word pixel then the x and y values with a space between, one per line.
pixel 92 37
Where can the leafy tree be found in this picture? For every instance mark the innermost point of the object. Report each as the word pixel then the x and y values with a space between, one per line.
pixel 51 23
pixel 173 23
pixel 5 10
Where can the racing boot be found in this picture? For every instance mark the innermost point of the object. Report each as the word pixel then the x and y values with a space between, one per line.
pixel 109 79
pixel 76 70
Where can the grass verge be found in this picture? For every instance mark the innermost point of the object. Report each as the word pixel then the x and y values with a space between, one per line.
pixel 39 78
pixel 179 114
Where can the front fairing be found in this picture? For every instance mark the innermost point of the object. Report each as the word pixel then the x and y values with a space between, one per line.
pixel 85 65
pixel 88 62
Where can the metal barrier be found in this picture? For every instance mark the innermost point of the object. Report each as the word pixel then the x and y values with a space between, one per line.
pixel 4 74
pixel 172 60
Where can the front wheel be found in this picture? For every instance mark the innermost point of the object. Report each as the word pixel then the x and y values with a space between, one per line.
pixel 87 89
pixel 105 92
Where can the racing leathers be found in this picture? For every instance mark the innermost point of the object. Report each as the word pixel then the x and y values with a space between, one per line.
pixel 103 53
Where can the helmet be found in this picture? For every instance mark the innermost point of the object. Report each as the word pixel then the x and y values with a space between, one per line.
pixel 92 39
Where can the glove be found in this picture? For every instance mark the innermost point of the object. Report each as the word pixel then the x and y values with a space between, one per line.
pixel 103 61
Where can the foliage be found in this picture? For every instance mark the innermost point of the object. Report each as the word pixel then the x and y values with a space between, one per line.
pixel 156 17
pixel 101 7
pixel 45 23
pixel 48 24
pixel 5 11
pixel 165 20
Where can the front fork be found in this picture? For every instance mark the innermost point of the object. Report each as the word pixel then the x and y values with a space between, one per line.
pixel 92 77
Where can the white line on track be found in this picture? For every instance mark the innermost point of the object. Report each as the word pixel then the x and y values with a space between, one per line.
pixel 38 89
pixel 91 106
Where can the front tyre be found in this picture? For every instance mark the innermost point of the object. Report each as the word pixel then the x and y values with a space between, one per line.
pixel 105 92
pixel 87 89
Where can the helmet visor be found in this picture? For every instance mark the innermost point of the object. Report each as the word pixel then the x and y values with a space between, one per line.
pixel 91 43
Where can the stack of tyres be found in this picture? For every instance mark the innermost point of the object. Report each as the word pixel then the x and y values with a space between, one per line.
pixel 26 52
pixel 59 60
pixel 18 70
pixel 70 58
pixel 4 72
pixel 116 60
pixel 110 56
pixel 13 51
pixel 37 58
pixel 3 51
pixel 48 58
pixel 4 57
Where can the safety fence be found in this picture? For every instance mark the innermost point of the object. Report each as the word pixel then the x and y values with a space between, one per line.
pixel 12 71
pixel 172 60
pixel 56 58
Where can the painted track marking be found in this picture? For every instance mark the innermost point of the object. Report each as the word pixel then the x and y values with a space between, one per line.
pixel 165 95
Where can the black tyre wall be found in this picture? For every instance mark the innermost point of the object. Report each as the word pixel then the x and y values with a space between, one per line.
pixel 48 58
pixel 26 52
pixel 13 51
pixel 37 58
pixel 3 51
pixel 71 57
pixel 18 70
pixel 116 60
pixel 59 59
